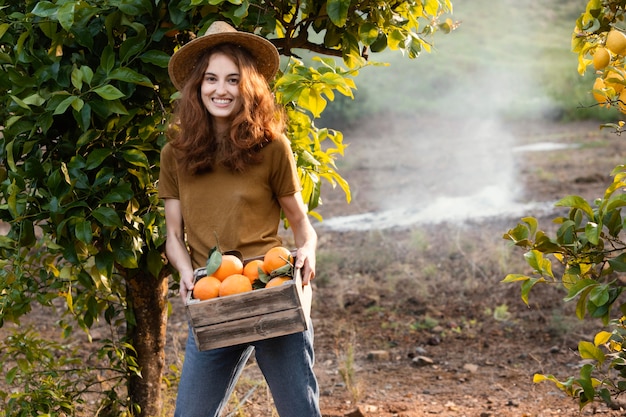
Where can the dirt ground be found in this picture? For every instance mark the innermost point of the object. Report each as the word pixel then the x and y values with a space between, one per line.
pixel 474 364
pixel 413 321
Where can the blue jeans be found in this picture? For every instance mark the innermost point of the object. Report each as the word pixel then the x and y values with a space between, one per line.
pixel 209 377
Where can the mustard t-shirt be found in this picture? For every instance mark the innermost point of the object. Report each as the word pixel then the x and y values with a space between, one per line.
pixel 241 210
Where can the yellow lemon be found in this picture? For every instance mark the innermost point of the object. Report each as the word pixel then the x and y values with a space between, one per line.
pixel 601 58
pixel 616 42
pixel 598 92
pixel 614 80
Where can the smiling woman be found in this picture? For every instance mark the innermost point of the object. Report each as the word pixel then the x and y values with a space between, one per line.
pixel 228 139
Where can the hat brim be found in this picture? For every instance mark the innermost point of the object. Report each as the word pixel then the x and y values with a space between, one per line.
pixel 185 59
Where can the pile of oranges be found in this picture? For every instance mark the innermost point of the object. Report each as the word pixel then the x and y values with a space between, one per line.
pixel 227 274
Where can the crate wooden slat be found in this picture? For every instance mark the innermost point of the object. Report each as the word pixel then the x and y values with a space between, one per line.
pixel 250 316
pixel 250 329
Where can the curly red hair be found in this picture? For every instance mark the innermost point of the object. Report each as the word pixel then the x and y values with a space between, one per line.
pixel 258 122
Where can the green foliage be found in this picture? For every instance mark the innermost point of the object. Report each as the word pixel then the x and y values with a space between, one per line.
pixel 302 90
pixel 590 249
pixel 83 125
pixel 84 105
pixel 604 376
pixel 55 378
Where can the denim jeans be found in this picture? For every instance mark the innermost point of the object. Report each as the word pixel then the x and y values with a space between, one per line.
pixel 209 377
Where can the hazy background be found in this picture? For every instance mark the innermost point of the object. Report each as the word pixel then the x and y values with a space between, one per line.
pixel 447 123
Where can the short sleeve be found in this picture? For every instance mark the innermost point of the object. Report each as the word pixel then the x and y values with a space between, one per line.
pixel 284 177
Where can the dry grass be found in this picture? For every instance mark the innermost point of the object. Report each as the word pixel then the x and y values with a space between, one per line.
pixel 451 260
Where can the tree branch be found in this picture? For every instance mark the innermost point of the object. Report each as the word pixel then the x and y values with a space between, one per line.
pixel 285 47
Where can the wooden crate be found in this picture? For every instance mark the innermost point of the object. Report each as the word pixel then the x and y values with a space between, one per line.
pixel 251 316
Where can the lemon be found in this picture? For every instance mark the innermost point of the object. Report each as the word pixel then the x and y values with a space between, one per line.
pixel 616 42
pixel 614 80
pixel 601 58
pixel 598 88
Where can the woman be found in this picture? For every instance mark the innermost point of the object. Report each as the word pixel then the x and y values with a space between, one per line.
pixel 226 174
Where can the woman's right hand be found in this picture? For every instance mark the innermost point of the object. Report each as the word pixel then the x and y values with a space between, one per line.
pixel 186 285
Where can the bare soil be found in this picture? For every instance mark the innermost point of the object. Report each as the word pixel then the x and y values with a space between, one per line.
pixel 477 362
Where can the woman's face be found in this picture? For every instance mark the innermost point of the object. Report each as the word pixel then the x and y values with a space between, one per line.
pixel 220 88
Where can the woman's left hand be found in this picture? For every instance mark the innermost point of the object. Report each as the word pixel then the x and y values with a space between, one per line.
pixel 305 261
pixel 304 235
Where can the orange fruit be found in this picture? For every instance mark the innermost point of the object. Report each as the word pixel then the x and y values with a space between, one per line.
pixel 276 281
pixel 235 284
pixel 251 269
pixel 206 288
pixel 230 265
pixel 277 257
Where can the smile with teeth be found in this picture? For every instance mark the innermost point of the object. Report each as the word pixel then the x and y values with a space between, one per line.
pixel 221 100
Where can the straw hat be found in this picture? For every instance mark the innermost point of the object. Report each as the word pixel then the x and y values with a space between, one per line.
pixel 184 60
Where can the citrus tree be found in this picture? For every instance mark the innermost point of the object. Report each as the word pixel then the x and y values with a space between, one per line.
pixel 587 253
pixel 84 104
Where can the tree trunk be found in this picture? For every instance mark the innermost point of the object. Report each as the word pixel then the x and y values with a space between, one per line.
pixel 147 297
